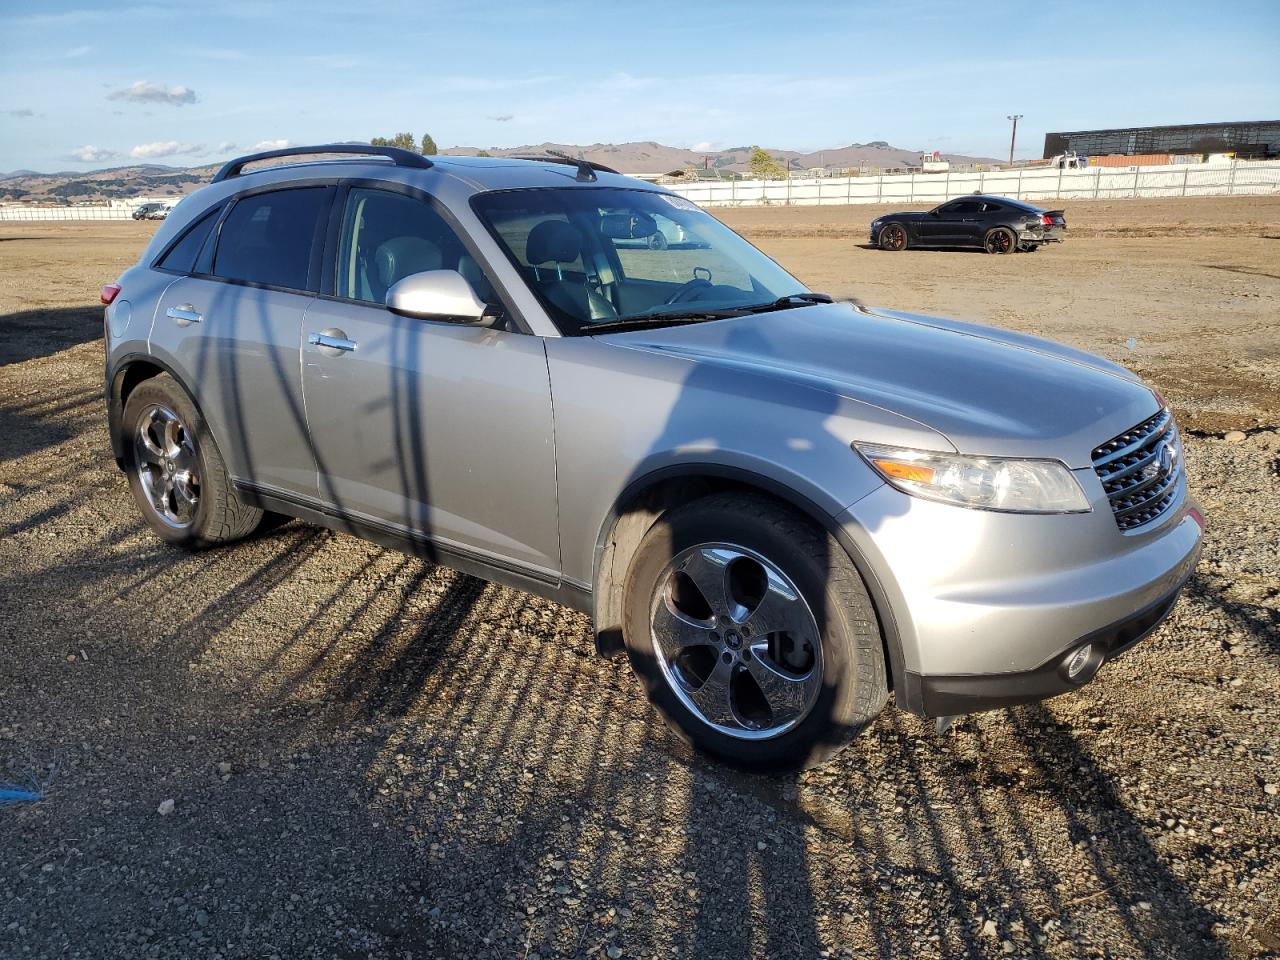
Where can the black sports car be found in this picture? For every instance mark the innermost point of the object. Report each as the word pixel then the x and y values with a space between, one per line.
pixel 996 224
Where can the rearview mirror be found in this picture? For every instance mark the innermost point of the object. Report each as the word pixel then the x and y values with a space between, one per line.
pixel 628 226
pixel 440 295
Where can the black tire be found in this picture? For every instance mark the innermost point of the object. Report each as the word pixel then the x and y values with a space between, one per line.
pixel 853 682
pixel 892 237
pixel 218 515
pixel 1000 240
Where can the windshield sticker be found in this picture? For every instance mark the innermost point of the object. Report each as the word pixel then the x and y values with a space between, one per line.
pixel 680 203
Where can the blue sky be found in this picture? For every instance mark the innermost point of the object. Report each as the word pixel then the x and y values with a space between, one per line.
pixel 86 85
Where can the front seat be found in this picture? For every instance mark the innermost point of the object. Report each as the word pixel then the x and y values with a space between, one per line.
pixel 400 257
pixel 560 242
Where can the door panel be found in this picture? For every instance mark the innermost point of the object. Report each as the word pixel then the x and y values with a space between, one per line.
pixel 237 347
pixel 955 224
pixel 440 428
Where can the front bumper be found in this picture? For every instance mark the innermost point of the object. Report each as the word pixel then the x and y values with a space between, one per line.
pixel 942 696
pixel 981 609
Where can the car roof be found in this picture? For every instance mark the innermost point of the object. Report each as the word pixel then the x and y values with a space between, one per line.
pixel 453 180
pixel 479 173
pixel 1007 201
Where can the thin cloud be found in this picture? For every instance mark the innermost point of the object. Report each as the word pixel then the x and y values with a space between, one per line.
pixel 503 117
pixel 219 54
pixel 21 114
pixel 226 146
pixel 91 154
pixel 144 91
pixel 164 148
pixel 332 61
pixel 488 84
pixel 77 52
pixel 269 145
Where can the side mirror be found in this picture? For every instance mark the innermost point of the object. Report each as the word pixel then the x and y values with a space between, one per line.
pixel 440 295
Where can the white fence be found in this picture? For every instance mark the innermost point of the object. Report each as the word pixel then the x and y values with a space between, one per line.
pixel 116 210
pixel 1241 177
pixel 1235 178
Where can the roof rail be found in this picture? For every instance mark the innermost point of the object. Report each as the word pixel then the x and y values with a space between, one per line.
pixel 586 168
pixel 400 156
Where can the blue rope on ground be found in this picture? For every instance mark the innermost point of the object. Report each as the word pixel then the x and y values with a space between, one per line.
pixel 9 795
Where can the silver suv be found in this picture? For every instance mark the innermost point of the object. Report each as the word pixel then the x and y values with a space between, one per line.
pixel 782 508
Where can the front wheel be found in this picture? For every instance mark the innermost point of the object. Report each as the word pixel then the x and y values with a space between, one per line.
pixel 176 472
pixel 1000 240
pixel 752 632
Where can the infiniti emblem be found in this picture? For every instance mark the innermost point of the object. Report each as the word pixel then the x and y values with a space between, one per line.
pixel 1161 465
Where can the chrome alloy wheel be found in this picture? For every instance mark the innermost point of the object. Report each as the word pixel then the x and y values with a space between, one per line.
pixel 165 455
pixel 736 641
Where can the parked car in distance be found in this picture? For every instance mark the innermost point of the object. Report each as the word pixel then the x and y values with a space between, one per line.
pixel 994 224
pixel 151 211
pixel 780 507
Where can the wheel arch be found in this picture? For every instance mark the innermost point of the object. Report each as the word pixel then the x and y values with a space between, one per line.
pixel 128 372
pixel 645 499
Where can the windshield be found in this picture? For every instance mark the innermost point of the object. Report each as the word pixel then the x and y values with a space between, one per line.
pixel 598 256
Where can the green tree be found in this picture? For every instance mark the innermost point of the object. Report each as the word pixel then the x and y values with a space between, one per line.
pixel 484 153
pixel 764 166
pixel 428 146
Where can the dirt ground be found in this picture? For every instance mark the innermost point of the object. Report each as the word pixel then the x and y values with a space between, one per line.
pixel 368 756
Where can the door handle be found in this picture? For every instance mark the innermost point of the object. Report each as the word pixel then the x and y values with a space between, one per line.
pixel 331 342
pixel 185 314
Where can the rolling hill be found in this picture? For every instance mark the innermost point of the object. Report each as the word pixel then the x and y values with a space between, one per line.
pixel 639 157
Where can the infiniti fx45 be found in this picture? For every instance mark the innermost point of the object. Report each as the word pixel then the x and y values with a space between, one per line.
pixel 780 507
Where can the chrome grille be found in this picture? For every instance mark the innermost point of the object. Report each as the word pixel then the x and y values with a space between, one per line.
pixel 1139 470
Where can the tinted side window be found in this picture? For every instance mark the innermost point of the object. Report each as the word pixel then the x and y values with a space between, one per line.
pixel 964 206
pixel 991 208
pixel 388 236
pixel 267 237
pixel 182 255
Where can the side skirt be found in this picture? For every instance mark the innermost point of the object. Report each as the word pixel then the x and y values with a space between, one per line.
pixel 416 544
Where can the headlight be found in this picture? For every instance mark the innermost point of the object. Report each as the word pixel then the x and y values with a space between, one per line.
pixel 983 483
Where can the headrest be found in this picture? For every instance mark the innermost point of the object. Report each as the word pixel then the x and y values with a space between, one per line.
pixel 401 256
pixel 553 241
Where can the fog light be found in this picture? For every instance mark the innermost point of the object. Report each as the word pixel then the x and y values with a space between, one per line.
pixel 1079 661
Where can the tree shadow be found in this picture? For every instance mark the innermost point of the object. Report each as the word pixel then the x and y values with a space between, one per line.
pixel 28 334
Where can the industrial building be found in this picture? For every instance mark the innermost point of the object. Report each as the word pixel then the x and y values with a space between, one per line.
pixel 1253 140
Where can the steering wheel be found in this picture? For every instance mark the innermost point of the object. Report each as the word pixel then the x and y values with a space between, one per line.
pixel 689 290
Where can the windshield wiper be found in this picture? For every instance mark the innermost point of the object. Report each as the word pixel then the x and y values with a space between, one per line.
pixel 790 300
pixel 638 323
pixel 698 316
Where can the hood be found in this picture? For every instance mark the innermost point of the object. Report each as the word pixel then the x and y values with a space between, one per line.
pixel 902 216
pixel 990 392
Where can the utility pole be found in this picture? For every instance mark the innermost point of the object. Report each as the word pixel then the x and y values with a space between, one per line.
pixel 1015 117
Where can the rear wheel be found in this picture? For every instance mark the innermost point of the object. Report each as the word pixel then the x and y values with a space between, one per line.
pixel 893 236
pixel 176 472
pixel 753 633
pixel 1000 240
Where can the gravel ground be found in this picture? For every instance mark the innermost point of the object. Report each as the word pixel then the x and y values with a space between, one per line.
pixel 308 746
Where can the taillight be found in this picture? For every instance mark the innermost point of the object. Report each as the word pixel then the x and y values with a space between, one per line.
pixel 109 292
pixel 1047 220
